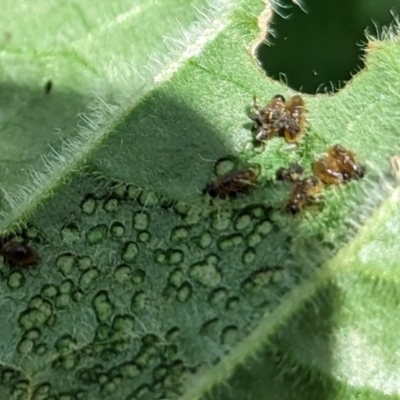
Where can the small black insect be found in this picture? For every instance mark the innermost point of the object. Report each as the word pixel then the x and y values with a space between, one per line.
pixel 48 86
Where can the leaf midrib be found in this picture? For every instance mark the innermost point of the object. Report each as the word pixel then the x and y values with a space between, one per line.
pixel 28 199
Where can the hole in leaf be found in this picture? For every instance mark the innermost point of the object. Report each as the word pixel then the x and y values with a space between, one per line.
pixel 316 46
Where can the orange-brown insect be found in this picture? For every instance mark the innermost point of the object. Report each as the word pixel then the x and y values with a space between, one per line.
pixel 290 174
pixel 295 119
pixel 232 182
pixel 268 119
pixel 17 253
pixel 303 193
pixel 337 166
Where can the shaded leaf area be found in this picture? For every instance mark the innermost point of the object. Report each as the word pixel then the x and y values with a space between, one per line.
pixel 337 335
pixel 80 48
pixel 136 295
pixel 164 145
pixel 32 121
pixel 141 296
pixel 333 348
pixel 218 85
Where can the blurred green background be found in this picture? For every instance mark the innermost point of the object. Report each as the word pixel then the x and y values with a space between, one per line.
pixel 318 50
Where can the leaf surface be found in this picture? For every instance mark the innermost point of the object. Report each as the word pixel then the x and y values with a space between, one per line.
pixel 84 49
pixel 146 290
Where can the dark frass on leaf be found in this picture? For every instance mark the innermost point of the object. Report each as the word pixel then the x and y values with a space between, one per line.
pixel 17 253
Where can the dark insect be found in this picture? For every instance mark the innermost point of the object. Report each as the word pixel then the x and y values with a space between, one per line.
pixel 290 174
pixel 48 86
pixel 268 119
pixel 304 192
pixel 232 182
pixel 295 119
pixel 337 166
pixel 17 253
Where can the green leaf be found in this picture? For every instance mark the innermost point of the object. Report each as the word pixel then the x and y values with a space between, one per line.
pixel 101 51
pixel 144 289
